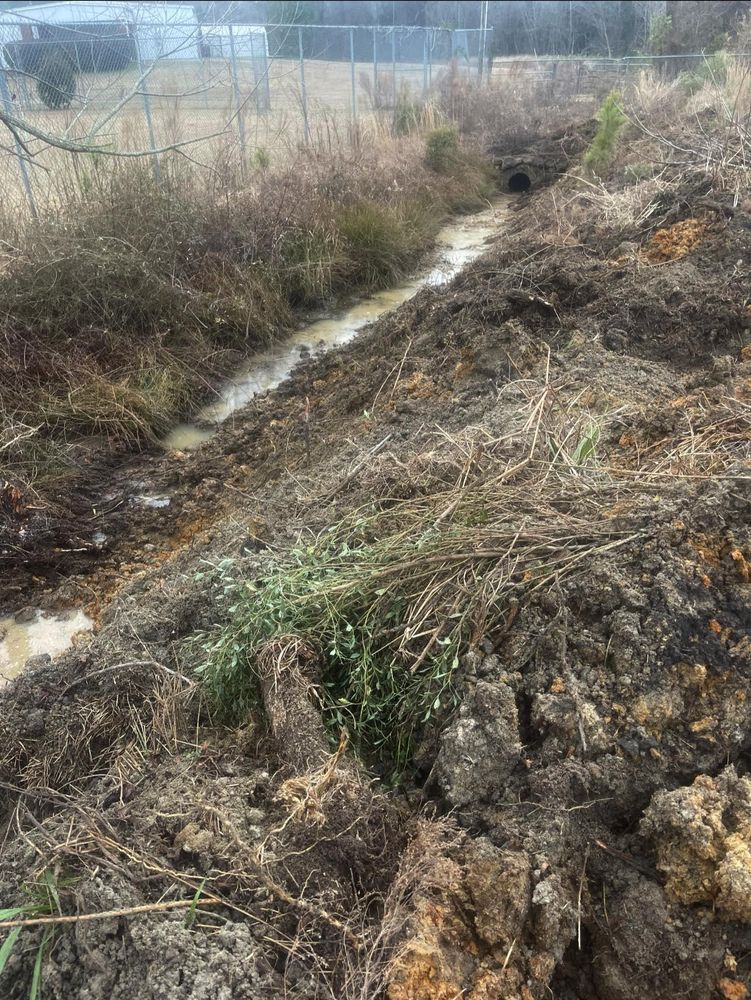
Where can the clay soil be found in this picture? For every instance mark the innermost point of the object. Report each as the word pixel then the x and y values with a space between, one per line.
pixel 580 825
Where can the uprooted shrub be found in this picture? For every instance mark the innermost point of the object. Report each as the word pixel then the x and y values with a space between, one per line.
pixel 385 605
pixel 344 599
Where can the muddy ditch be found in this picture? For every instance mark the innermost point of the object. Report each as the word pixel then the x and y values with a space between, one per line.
pixel 578 824
pixel 117 503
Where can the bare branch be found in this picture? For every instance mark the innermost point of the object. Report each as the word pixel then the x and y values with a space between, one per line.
pixel 58 142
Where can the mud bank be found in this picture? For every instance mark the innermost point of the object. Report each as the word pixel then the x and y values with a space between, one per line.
pixel 577 824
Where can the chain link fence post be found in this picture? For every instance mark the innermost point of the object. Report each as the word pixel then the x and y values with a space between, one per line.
pixel 20 155
pixel 303 92
pixel 352 73
pixel 238 99
pixel 147 115
pixel 393 61
pixel 266 78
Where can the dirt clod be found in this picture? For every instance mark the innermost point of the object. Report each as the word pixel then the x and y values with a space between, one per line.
pixel 702 834
pixel 480 749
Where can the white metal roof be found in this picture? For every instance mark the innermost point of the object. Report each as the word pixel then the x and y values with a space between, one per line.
pixel 67 13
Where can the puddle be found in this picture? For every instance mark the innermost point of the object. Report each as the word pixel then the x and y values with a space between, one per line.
pixel 183 437
pixel 457 244
pixel 44 633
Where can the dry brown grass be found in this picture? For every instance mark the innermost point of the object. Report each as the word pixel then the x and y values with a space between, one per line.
pixel 578 204
pixel 672 139
pixel 133 709
pixel 712 437
pixel 705 130
pixel 512 109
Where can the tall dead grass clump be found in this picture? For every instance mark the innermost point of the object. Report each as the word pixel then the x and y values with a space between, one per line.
pixel 655 97
pixel 513 108
pixel 701 128
pixel 568 212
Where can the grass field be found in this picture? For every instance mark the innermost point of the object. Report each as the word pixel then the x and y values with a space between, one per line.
pixel 196 102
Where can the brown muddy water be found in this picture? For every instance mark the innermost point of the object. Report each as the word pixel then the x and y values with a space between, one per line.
pixel 458 244
pixel 41 633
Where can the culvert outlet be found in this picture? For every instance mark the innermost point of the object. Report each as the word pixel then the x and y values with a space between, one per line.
pixel 519 181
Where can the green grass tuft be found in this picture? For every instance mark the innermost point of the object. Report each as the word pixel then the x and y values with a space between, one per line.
pixel 45 896
pixel 712 69
pixel 383 240
pixel 406 111
pixel 442 148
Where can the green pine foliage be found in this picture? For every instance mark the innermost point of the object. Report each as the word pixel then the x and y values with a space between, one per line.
pixel 611 119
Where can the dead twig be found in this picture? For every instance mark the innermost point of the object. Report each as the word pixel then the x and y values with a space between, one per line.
pixel 128 911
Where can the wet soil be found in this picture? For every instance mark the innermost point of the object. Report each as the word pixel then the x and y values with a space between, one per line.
pixel 580 827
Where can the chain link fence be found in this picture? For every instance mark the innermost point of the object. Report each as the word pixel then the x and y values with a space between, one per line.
pixel 146 79
pixel 148 82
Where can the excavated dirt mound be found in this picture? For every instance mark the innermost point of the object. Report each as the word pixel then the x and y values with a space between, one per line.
pixel 580 825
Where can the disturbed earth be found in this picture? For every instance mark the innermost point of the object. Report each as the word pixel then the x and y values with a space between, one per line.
pixel 578 824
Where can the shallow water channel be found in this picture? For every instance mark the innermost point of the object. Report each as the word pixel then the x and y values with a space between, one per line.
pixel 458 243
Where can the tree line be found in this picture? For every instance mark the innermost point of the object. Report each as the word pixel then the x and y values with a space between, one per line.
pixel 550 27
pixel 520 27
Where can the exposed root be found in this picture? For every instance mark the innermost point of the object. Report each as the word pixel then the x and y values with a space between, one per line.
pixel 284 666
pixel 278 891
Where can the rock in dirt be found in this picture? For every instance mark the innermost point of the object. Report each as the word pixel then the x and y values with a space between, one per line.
pixel 160 957
pixel 481 748
pixel 645 947
pixel 500 886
